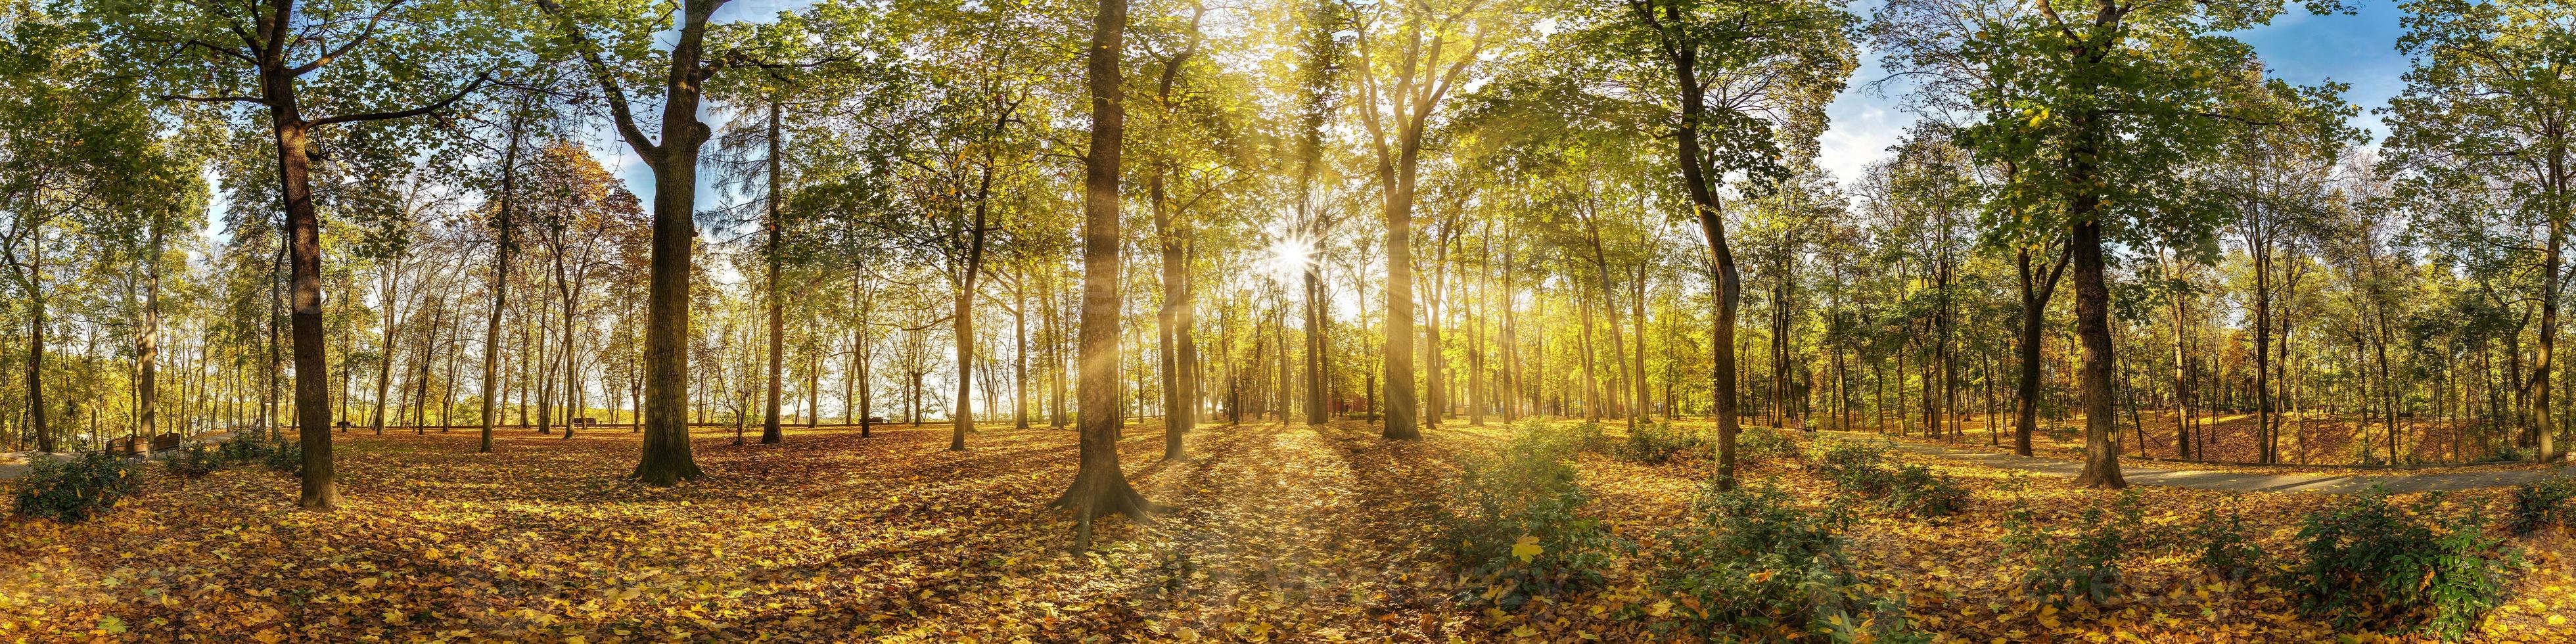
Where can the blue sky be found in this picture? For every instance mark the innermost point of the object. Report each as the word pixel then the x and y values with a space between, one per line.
pixel 2301 48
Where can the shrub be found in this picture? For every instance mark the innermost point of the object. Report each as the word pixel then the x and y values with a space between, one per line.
pixel 2548 503
pixel 244 450
pixel 2506 454
pixel 1762 444
pixel 283 456
pixel 1916 490
pixel 1755 564
pixel 2371 563
pixel 1586 436
pixel 2081 563
pixel 1858 468
pixel 1512 520
pixel 2221 547
pixel 74 489
pixel 196 461
pixel 1658 443
pixel 1864 470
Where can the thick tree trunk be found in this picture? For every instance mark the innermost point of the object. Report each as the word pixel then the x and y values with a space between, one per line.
pixel 1099 487
pixel 304 274
pixel 2093 331
pixel 1728 283
pixel 666 458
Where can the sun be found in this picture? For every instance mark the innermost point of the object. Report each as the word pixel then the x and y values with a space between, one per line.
pixel 1288 258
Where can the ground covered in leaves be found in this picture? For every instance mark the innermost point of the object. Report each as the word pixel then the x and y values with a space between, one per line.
pixel 1277 533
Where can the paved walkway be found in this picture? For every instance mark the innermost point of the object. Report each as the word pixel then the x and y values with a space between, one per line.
pixel 2223 481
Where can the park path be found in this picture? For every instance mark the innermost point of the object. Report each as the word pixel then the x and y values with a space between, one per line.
pixel 2223 481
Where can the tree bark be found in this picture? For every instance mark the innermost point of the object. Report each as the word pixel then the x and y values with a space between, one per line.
pixel 1099 487
pixel 503 227
pixel 770 434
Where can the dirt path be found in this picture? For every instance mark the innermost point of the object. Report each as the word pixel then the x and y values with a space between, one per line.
pixel 1286 530
pixel 2222 481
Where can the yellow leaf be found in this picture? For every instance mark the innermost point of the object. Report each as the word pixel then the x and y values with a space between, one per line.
pixel 1527 548
pixel 268 636
pixel 1661 608
pixel 1524 631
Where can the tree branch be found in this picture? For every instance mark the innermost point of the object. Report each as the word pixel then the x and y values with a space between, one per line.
pixel 477 83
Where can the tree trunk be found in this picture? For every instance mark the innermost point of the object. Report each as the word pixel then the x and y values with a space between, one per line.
pixel 666 458
pixel 502 226
pixel 1099 487
pixel 147 345
pixel 2093 331
pixel 385 363
pixel 770 433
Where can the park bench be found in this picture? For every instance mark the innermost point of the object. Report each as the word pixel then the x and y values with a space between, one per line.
pixel 584 422
pixel 126 446
pixel 166 441
pixel 873 420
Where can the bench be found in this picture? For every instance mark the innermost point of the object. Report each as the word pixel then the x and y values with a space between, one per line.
pixel 165 442
pixel 126 446
pixel 584 422
pixel 873 420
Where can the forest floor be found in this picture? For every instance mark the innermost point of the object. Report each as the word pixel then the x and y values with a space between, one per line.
pixel 1277 533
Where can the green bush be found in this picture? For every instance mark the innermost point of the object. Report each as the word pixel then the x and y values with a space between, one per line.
pixel 244 450
pixel 1658 443
pixel 74 489
pixel 1858 468
pixel 1865 470
pixel 196 461
pixel 1585 436
pixel 283 456
pixel 2370 563
pixel 2506 454
pixel 2221 546
pixel 1756 565
pixel 2079 563
pixel 1513 520
pixel 2548 503
pixel 1763 445
pixel 1915 490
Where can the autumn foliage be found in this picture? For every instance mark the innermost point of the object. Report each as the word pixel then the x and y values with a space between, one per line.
pixel 1279 533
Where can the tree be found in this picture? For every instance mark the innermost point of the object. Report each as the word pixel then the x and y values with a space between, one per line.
pixel 2485 125
pixel 278 43
pixel 1099 487
pixel 1714 56
pixel 1407 63
pixel 2117 103
pixel 632 27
